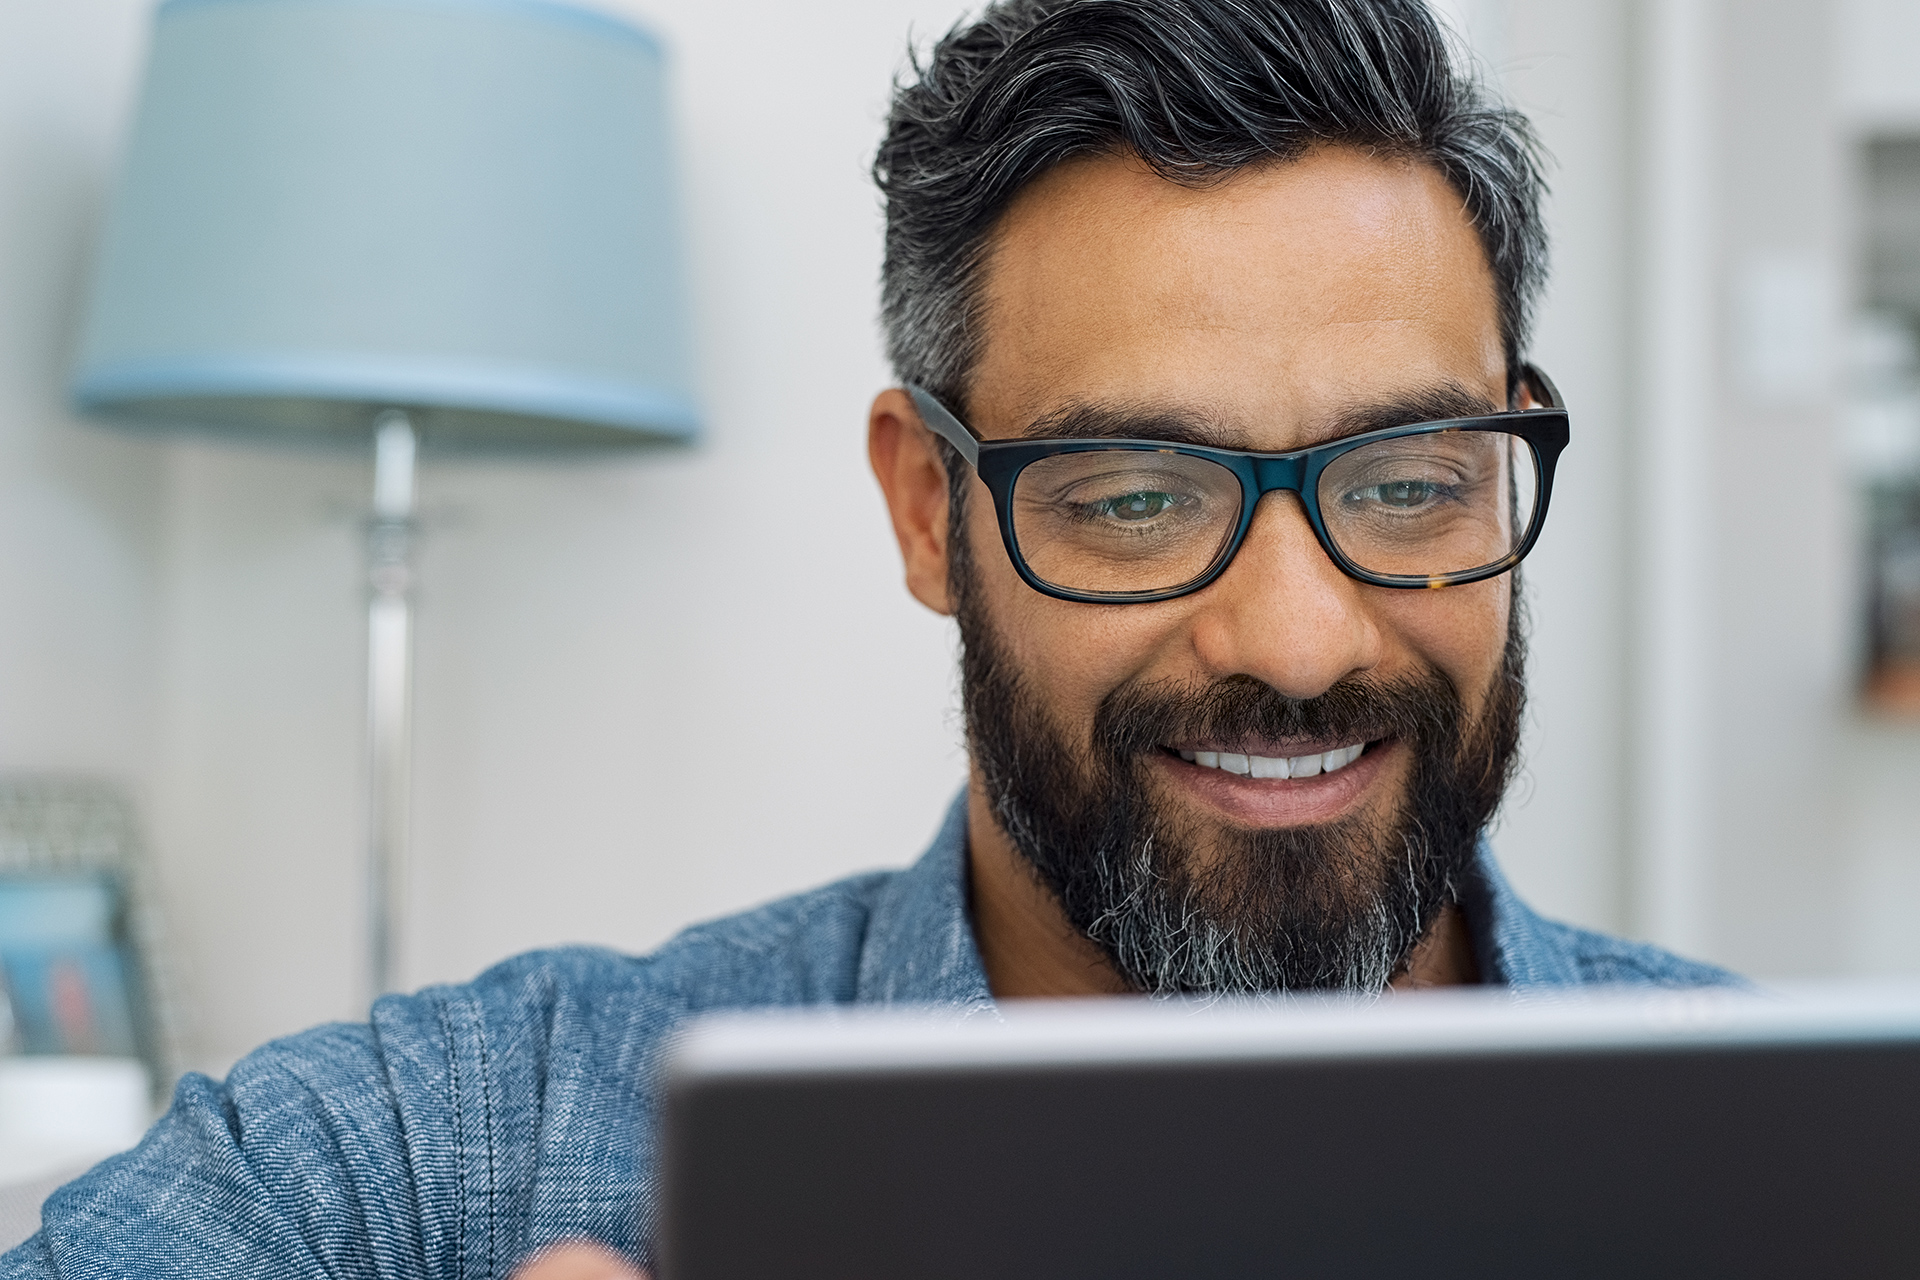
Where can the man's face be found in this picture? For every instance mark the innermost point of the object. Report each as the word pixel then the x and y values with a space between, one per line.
pixel 1287 305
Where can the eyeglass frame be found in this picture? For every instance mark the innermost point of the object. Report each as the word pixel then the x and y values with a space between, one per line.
pixel 998 463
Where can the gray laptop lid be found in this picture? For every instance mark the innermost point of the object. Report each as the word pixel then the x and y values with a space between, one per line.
pixel 1458 1134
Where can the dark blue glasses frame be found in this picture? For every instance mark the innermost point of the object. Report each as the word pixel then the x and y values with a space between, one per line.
pixel 999 463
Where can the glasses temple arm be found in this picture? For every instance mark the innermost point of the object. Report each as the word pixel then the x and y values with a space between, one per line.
pixel 942 423
pixel 1543 388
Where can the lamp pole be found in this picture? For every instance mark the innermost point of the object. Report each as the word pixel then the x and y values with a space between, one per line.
pixel 533 143
pixel 390 536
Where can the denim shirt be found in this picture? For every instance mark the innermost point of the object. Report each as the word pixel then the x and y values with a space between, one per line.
pixel 465 1127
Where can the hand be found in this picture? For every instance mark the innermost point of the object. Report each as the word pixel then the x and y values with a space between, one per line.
pixel 578 1260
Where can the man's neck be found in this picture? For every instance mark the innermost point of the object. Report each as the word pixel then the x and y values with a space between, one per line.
pixel 1030 949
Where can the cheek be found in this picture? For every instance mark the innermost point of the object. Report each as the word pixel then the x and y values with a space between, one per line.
pixel 1459 631
pixel 1070 655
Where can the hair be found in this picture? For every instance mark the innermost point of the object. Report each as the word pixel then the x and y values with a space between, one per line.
pixel 1197 89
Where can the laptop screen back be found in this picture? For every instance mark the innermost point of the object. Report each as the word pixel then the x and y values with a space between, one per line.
pixel 1457 1135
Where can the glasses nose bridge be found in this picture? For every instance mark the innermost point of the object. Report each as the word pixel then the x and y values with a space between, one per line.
pixel 1285 471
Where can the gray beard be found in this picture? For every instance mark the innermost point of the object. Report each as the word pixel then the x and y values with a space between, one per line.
pixel 1338 906
pixel 1161 933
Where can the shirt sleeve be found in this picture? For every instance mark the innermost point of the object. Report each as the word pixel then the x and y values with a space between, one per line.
pixel 461 1130
pixel 302 1163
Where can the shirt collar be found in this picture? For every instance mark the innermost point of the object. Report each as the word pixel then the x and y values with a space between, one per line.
pixel 1513 946
pixel 920 948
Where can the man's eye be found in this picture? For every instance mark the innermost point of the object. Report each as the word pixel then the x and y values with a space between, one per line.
pixel 1134 507
pixel 1404 494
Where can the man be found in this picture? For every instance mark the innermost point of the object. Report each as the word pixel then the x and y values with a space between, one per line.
pixel 1215 435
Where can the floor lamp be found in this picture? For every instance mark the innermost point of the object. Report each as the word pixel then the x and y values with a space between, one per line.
pixel 420 224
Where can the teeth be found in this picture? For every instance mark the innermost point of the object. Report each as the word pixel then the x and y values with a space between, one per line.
pixel 1274 766
pixel 1267 767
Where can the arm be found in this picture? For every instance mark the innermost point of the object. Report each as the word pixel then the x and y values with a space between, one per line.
pixel 299 1164
pixel 462 1131
pixel 578 1260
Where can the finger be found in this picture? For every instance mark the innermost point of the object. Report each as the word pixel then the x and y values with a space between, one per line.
pixel 578 1260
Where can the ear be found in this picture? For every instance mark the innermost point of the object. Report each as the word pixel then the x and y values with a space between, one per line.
pixel 1527 394
pixel 906 462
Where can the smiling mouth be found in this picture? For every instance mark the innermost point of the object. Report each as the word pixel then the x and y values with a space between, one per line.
pixel 1311 765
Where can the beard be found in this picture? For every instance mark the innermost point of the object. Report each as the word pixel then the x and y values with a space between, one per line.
pixel 1180 906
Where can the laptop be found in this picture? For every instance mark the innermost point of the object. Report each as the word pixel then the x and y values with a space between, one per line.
pixel 1446 1134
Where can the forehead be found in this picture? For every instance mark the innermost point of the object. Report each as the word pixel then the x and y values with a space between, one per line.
pixel 1270 303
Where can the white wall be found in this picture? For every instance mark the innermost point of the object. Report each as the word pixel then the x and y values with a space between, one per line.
pixel 1877 829
pixel 1562 833
pixel 79 512
pixel 1700 771
pixel 657 689
pixel 650 689
pixel 1783 562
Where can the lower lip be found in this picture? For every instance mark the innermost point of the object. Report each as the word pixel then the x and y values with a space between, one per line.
pixel 1281 802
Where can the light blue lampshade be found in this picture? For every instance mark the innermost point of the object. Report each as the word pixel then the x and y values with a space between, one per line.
pixel 458 207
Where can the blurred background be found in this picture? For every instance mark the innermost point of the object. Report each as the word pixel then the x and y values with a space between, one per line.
pixel 658 688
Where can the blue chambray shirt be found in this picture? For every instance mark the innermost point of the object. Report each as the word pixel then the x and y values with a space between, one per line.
pixel 467 1126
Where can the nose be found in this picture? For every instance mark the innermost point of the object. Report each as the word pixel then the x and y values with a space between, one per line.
pixel 1283 612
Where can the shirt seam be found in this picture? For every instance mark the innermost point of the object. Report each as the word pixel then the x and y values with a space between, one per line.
pixel 486 1102
pixel 459 1136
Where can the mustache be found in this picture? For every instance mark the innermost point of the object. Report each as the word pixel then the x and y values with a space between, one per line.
pixel 1136 719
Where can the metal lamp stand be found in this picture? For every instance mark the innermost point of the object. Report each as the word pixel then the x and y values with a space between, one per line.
pixel 390 537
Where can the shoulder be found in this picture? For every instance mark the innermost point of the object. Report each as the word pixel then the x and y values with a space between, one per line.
pixel 355 1149
pixel 1520 948
pixel 803 949
pixel 1602 959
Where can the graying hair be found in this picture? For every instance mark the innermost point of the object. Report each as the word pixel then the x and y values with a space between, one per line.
pixel 1163 935
pixel 1197 89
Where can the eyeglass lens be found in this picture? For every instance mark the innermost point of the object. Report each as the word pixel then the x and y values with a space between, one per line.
pixel 1132 521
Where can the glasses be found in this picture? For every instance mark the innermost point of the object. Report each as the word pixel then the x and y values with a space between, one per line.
pixel 1432 504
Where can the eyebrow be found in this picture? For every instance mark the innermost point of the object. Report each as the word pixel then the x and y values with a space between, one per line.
pixel 1437 403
